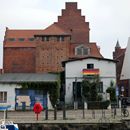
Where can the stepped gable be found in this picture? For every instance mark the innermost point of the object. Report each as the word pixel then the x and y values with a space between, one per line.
pixel 73 22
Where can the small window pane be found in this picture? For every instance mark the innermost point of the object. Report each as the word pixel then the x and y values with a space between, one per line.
pixel 46 38
pixel 3 97
pixel 85 51
pixel 31 39
pixel 21 39
pixel 60 38
pixel 11 39
pixel 79 51
pixel 90 66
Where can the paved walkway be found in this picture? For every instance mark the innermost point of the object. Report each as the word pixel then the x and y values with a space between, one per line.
pixel 72 116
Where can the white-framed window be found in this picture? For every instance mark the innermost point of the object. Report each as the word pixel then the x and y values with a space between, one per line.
pixel 82 50
pixel 3 96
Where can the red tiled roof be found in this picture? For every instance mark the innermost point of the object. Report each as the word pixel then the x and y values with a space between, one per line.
pixel 51 30
pixel 21 33
pixel 54 30
pixel 94 50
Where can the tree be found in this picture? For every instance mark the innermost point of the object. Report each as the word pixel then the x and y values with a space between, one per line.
pixel 90 89
pixel 112 91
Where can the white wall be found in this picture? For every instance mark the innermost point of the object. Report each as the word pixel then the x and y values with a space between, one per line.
pixel 107 70
pixel 10 89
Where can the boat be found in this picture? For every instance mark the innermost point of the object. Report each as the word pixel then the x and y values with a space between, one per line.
pixel 6 124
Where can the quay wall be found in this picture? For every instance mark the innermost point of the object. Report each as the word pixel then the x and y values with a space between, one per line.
pixel 71 126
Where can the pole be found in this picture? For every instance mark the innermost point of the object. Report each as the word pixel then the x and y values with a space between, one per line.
pixel 82 101
pixel 55 113
pixel 46 113
pixel 64 111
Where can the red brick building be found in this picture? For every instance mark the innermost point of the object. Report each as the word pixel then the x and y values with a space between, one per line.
pixel 38 51
pixel 119 55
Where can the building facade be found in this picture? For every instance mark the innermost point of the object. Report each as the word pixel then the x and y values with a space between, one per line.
pixel 74 74
pixel 122 83
pixel 13 93
pixel 39 51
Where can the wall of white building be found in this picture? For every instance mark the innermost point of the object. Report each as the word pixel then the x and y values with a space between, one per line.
pixel 10 89
pixel 74 69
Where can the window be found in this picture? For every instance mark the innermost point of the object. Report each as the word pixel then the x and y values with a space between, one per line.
pixel 100 87
pixel 60 38
pixel 31 39
pixel 90 66
pixel 82 51
pixel 11 39
pixel 3 97
pixel 45 38
pixel 21 39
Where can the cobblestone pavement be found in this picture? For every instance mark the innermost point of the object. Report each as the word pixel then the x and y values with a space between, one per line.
pixel 72 116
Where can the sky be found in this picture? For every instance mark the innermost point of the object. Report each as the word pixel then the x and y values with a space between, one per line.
pixel 109 20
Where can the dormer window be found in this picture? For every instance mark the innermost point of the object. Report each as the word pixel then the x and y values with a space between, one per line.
pixel 82 51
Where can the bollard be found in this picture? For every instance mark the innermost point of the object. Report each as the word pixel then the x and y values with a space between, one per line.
pixel 6 114
pixel 55 112
pixel 64 111
pixel 83 111
pixel 46 113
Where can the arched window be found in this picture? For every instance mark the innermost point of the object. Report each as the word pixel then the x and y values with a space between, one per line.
pixel 82 51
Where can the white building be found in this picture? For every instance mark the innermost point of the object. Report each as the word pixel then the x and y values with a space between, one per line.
pixel 14 95
pixel 74 74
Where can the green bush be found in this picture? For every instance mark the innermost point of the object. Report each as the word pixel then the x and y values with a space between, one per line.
pixel 98 105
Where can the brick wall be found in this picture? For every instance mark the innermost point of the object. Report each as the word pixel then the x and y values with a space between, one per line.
pixel 72 21
pixel 19 60
pixel 49 55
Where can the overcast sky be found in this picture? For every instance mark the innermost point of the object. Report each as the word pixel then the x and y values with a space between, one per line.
pixel 109 19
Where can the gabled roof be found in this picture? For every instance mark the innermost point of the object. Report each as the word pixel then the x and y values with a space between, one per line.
pixel 51 30
pixel 88 57
pixel 27 77
pixel 94 49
